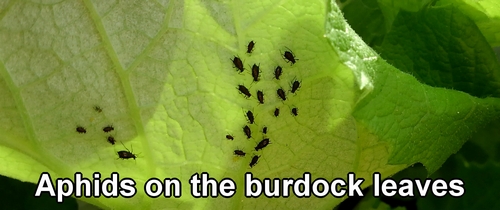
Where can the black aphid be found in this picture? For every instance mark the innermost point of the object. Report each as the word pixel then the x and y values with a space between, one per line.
pixel 111 140
pixel 244 91
pixel 238 63
pixel 295 86
pixel 126 154
pixel 264 130
pixel 239 153
pixel 250 117
pixel 276 112
pixel 250 46
pixel 247 131
pixel 289 57
pixel 97 109
pixel 255 72
pixel 295 111
pixel 262 144
pixel 81 129
pixel 229 137
pixel 108 128
pixel 254 161
pixel 277 72
pixel 281 94
pixel 260 96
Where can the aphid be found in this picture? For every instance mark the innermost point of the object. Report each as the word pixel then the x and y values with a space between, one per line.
pixel 250 46
pixel 262 144
pixel 108 128
pixel 276 112
pixel 238 63
pixel 260 96
pixel 81 129
pixel 295 111
pixel 281 94
pixel 264 130
pixel 289 57
pixel 250 117
pixel 277 72
pixel 239 153
pixel 255 72
pixel 247 131
pixel 229 137
pixel 126 154
pixel 244 90
pixel 295 86
pixel 254 161
pixel 111 140
pixel 97 109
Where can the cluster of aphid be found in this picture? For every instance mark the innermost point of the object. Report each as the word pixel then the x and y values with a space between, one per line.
pixel 121 154
pixel 238 64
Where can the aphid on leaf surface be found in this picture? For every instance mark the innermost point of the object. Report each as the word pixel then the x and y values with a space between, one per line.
pixel 247 131
pixel 281 94
pixel 276 112
pixel 290 57
pixel 250 46
pixel 262 144
pixel 108 128
pixel 295 111
pixel 229 137
pixel 260 96
pixel 250 117
pixel 244 91
pixel 111 140
pixel 264 130
pixel 81 129
pixel 97 109
pixel 126 154
pixel 239 153
pixel 238 63
pixel 255 72
pixel 277 72
pixel 254 161
pixel 295 86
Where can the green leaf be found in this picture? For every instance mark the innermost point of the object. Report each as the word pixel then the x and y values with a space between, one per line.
pixel 411 46
pixel 421 123
pixel 480 184
pixel 442 47
pixel 391 8
pixel 365 17
pixel 484 13
pixel 484 145
pixel 161 72
pixel 163 77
